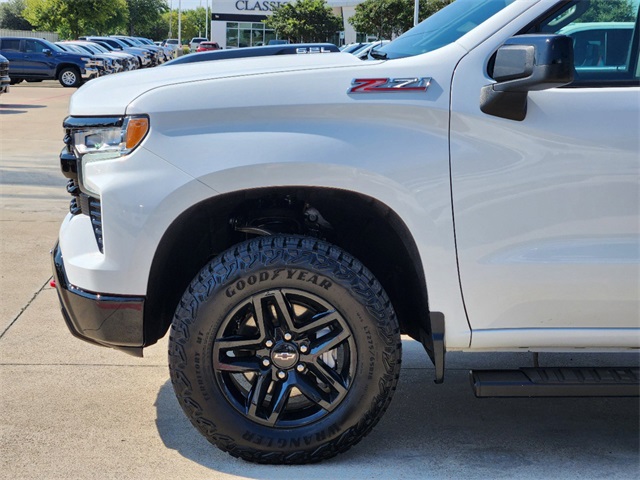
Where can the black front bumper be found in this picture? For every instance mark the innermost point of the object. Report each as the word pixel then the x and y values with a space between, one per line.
pixel 114 321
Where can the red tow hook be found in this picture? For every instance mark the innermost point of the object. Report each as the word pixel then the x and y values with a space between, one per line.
pixel 52 284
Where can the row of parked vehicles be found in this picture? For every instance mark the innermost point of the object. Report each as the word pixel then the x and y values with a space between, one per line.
pixel 74 62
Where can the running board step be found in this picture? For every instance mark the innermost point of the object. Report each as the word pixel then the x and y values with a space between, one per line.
pixel 557 382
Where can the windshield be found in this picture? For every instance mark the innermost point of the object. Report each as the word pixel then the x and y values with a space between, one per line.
pixel 87 48
pixel 98 47
pixel 443 27
pixel 105 45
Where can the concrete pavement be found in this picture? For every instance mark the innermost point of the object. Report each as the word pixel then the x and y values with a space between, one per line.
pixel 70 410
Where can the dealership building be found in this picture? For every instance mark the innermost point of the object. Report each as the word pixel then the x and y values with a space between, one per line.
pixel 238 23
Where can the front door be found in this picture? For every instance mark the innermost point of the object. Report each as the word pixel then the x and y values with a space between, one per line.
pixel 547 210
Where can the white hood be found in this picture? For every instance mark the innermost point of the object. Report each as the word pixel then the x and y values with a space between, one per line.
pixel 110 95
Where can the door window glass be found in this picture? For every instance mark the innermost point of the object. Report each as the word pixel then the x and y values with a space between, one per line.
pixel 33 46
pixel 605 39
pixel 11 44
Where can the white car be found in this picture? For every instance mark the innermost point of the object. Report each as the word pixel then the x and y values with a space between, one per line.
pixel 195 41
pixel 287 217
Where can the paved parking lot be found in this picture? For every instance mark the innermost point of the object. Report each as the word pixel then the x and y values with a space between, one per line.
pixel 72 410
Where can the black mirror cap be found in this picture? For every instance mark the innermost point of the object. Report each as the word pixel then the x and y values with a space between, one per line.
pixel 533 62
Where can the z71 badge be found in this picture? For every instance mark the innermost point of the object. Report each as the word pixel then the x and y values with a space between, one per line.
pixel 384 85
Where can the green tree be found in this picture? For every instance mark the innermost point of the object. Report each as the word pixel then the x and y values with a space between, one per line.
pixel 193 24
pixel 72 18
pixel 11 16
pixel 390 18
pixel 144 15
pixel 305 21
pixel 609 11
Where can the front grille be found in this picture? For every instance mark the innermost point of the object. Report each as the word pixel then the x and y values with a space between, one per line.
pixel 81 203
pixel 4 69
pixel 95 213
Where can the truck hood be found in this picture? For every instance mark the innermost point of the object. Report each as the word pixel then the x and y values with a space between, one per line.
pixel 110 95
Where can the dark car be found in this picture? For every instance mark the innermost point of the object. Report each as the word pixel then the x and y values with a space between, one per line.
pixel 285 49
pixel 36 59
pixel 5 81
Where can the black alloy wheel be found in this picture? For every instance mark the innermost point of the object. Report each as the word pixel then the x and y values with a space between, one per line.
pixel 284 358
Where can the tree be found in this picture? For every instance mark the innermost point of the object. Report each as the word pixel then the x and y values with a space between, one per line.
pixel 11 16
pixel 609 11
pixel 72 18
pixel 144 15
pixel 305 21
pixel 390 18
pixel 193 24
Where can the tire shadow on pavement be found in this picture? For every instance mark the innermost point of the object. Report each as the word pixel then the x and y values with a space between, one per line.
pixel 443 431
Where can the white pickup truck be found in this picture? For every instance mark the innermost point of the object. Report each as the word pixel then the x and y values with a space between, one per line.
pixel 289 217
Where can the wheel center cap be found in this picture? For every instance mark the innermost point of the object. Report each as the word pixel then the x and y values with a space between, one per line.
pixel 284 355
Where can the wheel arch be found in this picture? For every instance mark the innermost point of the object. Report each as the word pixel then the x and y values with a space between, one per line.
pixel 376 235
pixel 62 66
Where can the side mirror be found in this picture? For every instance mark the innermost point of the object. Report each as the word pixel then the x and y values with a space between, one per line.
pixel 526 63
pixel 47 51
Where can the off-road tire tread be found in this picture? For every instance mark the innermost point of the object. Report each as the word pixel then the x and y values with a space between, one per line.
pixel 293 250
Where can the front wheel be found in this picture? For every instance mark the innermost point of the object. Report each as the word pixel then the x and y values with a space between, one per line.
pixel 284 350
pixel 70 77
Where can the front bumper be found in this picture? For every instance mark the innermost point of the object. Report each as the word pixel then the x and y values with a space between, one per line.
pixel 89 72
pixel 114 321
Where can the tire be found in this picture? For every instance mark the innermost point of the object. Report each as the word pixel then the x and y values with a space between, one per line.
pixel 15 81
pixel 284 350
pixel 70 77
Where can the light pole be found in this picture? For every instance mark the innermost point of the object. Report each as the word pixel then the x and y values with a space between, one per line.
pixel 416 10
pixel 206 19
pixel 180 24
pixel 170 17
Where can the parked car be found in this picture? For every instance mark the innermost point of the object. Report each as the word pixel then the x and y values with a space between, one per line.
pixel 144 56
pixel 115 61
pixel 173 44
pixel 195 41
pixel 5 80
pixel 104 67
pixel 207 46
pixel 268 50
pixel 157 53
pixel 352 47
pixel 169 53
pixel 276 41
pixel 36 59
pixel 364 53
pixel 131 62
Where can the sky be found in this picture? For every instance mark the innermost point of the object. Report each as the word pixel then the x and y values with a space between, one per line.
pixel 189 4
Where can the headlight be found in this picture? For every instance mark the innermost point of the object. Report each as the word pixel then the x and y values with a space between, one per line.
pixel 99 142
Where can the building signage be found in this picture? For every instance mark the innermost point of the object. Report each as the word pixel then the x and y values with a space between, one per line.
pixel 253 5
